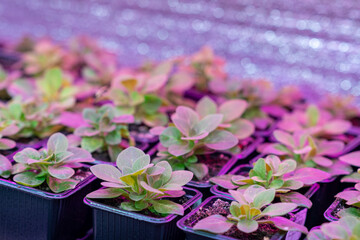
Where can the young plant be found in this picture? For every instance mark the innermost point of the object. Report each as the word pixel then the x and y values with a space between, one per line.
pixel 257 93
pixel 342 107
pixel 105 130
pixel 315 121
pixel 53 165
pixel 143 185
pixel 231 111
pixel 307 151
pixel 204 67
pixel 43 56
pixel 272 173
pixel 347 228
pixel 191 136
pixel 136 94
pixel 55 90
pixel 249 210
pixel 29 118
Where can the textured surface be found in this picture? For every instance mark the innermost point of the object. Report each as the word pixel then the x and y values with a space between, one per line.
pixel 312 43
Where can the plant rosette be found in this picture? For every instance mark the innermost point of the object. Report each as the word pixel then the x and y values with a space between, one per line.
pixel 191 137
pixel 346 228
pixel 308 151
pixel 137 94
pixel 316 122
pixel 250 215
pixel 45 186
pixel 139 189
pixel 272 173
pixel 104 130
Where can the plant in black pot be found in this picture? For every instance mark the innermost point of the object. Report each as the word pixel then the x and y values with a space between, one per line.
pixel 46 187
pixel 250 215
pixel 347 228
pixel 105 132
pixel 137 197
pixel 272 173
pixel 196 143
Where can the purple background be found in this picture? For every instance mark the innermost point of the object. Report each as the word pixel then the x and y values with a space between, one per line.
pixel 311 43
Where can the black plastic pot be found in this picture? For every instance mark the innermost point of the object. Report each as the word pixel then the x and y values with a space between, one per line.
pixel 27 213
pixel 329 213
pixel 192 234
pixel 113 223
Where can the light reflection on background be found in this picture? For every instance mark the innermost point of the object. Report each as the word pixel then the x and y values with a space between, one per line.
pixel 311 43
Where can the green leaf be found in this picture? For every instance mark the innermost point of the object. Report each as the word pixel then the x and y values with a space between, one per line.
pixel 312 114
pixel 170 136
pixel 206 106
pixel 151 104
pixel 129 206
pixel 90 115
pixel 136 196
pixel 276 184
pixel 28 179
pixel 105 193
pixel 260 168
pixel 247 225
pixel 92 144
pixel 113 138
pixel 60 185
pixel 181 149
pixel 52 81
pixel 141 205
pixel 264 198
pixel 278 209
pixel 200 170
pixel 57 143
pixel 167 207
pixel 192 159
pixel 61 172
pixel 220 140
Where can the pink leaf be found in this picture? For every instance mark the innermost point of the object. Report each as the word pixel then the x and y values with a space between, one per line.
pixel 232 109
pixel 215 224
pixel 351 158
pixel 287 225
pixel 308 176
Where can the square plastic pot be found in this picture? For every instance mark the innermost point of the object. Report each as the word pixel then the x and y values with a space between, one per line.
pixel 113 223
pixel 329 213
pixel 192 234
pixel 27 213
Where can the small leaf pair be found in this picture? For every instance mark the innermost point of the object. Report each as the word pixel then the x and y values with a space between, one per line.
pixel 142 184
pixel 249 210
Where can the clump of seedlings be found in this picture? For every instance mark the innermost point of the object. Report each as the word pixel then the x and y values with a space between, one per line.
pixel 141 184
pixel 250 209
pixel 53 165
pixel 105 131
pixel 193 135
pixel 272 173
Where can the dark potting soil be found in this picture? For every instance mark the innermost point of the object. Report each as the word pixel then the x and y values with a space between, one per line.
pixel 141 133
pixel 215 163
pixel 102 156
pixel 218 206
pixel 116 203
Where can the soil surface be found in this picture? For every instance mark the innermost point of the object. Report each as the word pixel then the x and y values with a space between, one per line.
pixel 221 207
pixel 215 162
pixel 141 133
pixel 116 203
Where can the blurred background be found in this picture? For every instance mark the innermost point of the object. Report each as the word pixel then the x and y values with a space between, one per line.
pixel 312 43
